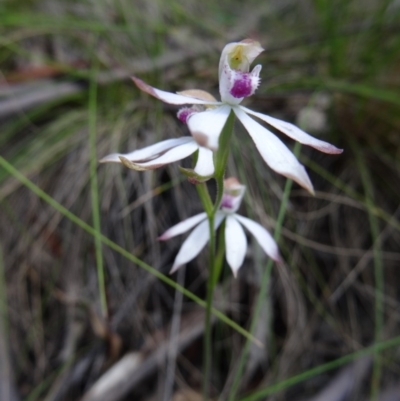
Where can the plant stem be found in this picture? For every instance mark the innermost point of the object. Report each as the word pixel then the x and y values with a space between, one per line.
pixel 207 329
pixel 211 210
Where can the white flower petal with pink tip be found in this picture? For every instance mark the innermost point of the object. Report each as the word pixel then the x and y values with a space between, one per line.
pixel 262 236
pixel 295 133
pixel 206 126
pixel 274 151
pixel 148 152
pixel 235 242
pixel 163 153
pixel 183 226
pixel 171 155
pixel 168 97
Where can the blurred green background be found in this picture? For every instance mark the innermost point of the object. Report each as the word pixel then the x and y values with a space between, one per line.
pixel 66 100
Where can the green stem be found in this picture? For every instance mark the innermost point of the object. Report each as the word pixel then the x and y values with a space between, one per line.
pixel 94 191
pixel 205 198
pixel 219 259
pixel 221 160
pixel 207 329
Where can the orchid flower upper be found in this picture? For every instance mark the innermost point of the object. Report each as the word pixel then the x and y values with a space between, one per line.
pixel 235 83
pixel 235 238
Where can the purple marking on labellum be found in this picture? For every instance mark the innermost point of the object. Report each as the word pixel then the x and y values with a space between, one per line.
pixel 242 87
pixel 184 113
pixel 227 202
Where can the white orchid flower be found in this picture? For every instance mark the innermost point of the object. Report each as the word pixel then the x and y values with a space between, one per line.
pixel 235 83
pixel 235 238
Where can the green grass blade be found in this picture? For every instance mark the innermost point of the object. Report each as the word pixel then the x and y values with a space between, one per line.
pixel 94 191
pixel 378 266
pixel 308 374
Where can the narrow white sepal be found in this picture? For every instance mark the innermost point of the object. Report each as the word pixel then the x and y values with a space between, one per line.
pixel 295 133
pixel 235 243
pixel 168 97
pixel 275 153
pixel 192 246
pixel 149 151
pixel 263 237
pixel 205 162
pixel 172 155
pixel 182 227
pixel 206 126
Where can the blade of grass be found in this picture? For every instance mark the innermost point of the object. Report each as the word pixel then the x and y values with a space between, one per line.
pixel 43 21
pixel 310 373
pixel 94 189
pixel 112 245
pixel 378 265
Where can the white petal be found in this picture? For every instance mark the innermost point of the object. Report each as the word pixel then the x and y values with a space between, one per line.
pixel 296 133
pixel 235 242
pixel 262 236
pixel 206 126
pixel 168 97
pixel 192 246
pixel 149 151
pixel 219 216
pixel 183 226
pixel 248 49
pixel 205 162
pixel 275 153
pixel 172 155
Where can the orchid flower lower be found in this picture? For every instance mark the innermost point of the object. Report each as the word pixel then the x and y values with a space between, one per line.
pixel 235 238
pixel 235 83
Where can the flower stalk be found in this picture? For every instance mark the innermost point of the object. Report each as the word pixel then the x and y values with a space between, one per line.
pixel 221 159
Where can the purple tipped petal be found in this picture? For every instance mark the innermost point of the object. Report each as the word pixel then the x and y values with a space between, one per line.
pixel 296 133
pixel 262 236
pixel 235 242
pixel 168 97
pixel 274 151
